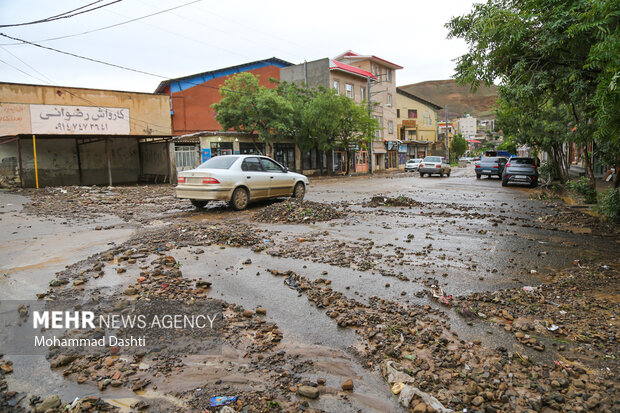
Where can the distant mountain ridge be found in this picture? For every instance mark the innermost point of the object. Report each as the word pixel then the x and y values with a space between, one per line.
pixel 458 98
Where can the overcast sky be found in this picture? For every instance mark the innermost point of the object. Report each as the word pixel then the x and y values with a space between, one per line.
pixel 205 35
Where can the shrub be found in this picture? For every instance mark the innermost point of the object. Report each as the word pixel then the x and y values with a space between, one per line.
pixel 609 204
pixel 582 187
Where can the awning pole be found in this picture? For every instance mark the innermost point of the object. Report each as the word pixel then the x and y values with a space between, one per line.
pixel 19 157
pixel 36 169
pixel 107 154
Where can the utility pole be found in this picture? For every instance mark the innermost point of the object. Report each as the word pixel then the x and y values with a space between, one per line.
pixel 447 137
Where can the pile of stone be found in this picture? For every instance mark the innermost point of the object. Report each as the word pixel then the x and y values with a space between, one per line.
pixel 399 201
pixel 295 212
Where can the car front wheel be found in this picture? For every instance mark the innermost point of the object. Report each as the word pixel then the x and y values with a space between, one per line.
pixel 504 182
pixel 239 199
pixel 300 191
pixel 478 176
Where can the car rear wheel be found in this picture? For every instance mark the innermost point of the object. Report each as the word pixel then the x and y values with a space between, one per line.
pixel 199 203
pixel 448 174
pixel 478 176
pixel 504 182
pixel 300 191
pixel 441 174
pixel 239 199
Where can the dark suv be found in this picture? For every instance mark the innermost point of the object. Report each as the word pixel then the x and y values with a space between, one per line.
pixel 520 170
pixel 492 165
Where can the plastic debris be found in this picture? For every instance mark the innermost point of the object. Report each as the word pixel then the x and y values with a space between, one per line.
pixel 553 328
pixel 222 400
pixel 529 289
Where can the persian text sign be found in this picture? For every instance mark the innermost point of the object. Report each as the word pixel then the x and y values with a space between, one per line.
pixel 14 119
pixel 79 120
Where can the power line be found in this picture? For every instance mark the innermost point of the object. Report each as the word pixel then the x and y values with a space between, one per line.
pixel 107 27
pixel 112 64
pixel 50 82
pixel 64 15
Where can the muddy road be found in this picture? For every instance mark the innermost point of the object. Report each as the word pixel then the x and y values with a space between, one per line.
pixel 410 287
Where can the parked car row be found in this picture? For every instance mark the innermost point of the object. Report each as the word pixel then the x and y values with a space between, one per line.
pixel 509 170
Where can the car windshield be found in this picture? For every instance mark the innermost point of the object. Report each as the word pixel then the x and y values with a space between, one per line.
pixel 219 162
pixel 432 159
pixel 522 161
pixel 413 161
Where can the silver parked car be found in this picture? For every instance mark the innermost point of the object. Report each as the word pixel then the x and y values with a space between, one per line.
pixel 434 165
pixel 239 179
pixel 412 165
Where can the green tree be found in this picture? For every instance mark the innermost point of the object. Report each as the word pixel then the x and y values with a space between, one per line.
pixel 246 106
pixel 459 146
pixel 560 51
pixel 508 145
pixel 336 121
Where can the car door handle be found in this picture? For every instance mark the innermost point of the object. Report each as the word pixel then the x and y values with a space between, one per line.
pixel 271 177
pixel 248 177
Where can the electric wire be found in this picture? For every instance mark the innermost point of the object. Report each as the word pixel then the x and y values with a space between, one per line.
pixel 106 27
pixel 64 15
pixel 163 129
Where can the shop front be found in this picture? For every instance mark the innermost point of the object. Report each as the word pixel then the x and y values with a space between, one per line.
pixel 417 149
pixel 391 157
pixel 379 153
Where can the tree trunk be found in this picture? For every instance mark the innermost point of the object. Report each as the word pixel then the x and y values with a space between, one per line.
pixel 330 162
pixel 587 156
pixel 617 178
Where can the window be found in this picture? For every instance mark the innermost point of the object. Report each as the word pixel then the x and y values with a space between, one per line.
pixel 412 114
pixel 219 162
pixel 348 90
pixel 390 126
pixel 423 117
pixel 379 132
pixel 389 97
pixel 398 113
pixel 363 93
pixel 337 86
pixel 270 166
pixel 249 148
pixel 389 75
pixel 251 165
pixel 285 154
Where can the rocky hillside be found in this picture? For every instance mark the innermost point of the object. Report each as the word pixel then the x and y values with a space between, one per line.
pixel 458 98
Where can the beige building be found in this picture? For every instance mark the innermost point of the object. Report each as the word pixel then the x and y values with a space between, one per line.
pixel 417 124
pixel 54 135
pixel 387 153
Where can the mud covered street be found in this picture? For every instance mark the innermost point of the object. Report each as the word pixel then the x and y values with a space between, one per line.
pixel 392 293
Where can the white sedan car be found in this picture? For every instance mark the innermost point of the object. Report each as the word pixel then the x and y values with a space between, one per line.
pixel 412 165
pixel 239 179
pixel 434 165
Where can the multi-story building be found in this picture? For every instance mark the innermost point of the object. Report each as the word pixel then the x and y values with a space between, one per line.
pixel 382 94
pixel 345 79
pixel 417 124
pixel 468 127
pixel 191 99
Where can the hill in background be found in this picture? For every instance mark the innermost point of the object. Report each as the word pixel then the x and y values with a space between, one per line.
pixel 458 98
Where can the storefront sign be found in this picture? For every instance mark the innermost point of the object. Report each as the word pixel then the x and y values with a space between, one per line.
pixel 402 148
pixel 409 122
pixel 79 120
pixel 206 154
pixel 14 119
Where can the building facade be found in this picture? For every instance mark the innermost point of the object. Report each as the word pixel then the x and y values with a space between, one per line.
pixel 386 148
pixel 191 98
pixel 54 135
pixel 417 124
pixel 346 80
pixel 468 127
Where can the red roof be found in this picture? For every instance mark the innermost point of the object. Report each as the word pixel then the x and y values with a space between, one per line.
pixel 353 55
pixel 336 65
